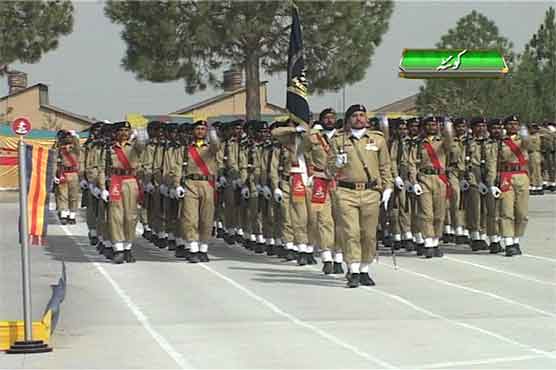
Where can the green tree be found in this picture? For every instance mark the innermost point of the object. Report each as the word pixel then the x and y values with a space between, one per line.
pixel 191 40
pixel 470 96
pixel 28 29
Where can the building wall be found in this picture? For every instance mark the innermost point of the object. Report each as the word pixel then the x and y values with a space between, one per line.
pixel 233 105
pixel 28 104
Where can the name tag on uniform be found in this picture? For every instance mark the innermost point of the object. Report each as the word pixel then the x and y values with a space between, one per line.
pixel 371 146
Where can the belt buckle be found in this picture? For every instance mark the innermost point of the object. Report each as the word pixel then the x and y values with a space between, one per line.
pixel 359 186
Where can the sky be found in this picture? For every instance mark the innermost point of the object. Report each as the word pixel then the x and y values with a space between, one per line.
pixel 85 76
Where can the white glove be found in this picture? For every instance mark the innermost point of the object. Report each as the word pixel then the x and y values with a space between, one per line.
pixel 386 197
pixel 300 129
pixel 310 181
pixel 84 184
pixel 141 135
pixel 417 189
pixel 341 160
pixel 149 188
pixel 483 189
pixel 495 191
pixel 104 195
pixel 551 128
pixel 464 185
pixel 259 189
pixel 180 192
pixel 245 192
pixel 163 190
pixel 222 182
pixel 278 195
pixel 96 192
pixel 172 193
pixel 524 132
pixel 73 133
pixel 399 183
pixel 267 193
pixel 56 180
pixel 449 127
pixel 133 135
pixel 237 184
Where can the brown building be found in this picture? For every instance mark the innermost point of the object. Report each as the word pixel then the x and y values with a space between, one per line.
pixel 33 102
pixel 403 107
pixel 231 103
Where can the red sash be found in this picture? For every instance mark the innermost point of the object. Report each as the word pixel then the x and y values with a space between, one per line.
pixel 201 164
pixel 298 188
pixel 116 180
pixel 438 167
pixel 320 190
pixel 70 158
pixel 506 177
pixel 516 150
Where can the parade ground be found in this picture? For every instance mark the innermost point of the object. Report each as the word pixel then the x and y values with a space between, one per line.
pixel 245 311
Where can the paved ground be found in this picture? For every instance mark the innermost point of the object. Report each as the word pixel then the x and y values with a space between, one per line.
pixel 245 311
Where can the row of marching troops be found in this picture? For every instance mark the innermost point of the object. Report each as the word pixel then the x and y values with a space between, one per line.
pixel 291 190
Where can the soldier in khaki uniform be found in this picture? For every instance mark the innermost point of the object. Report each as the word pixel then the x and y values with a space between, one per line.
pixel 360 161
pixel 427 172
pixel 170 203
pixel 67 176
pixel 88 175
pixel 535 158
pixel 476 211
pixel 458 165
pixel 549 156
pixel 296 173
pixel 321 233
pixel 99 149
pixel 511 184
pixel 493 143
pixel 123 193
pixel 193 180
pixel 415 132
pixel 228 175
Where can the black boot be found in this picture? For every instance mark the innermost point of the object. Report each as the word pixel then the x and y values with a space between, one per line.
pixel 203 257
pixel 194 258
pixel 483 245
pixel 328 268
pixel 180 251
pixel 259 248
pixel 63 221
pixel 462 239
pixel 397 245
pixel 338 269
pixel 429 253
pixel 229 239
pixel 408 245
pixel 128 257
pixel 437 252
pixel 108 253
pixel 171 245
pixel 511 251
pixel 270 250
pixel 354 281
pixel 213 232
pixel 495 248
pixel 100 247
pixel 420 248
pixel 517 249
pixel 476 245
pixel 281 251
pixel 147 235
pixel 220 233
pixel 291 255
pixel 302 259
pixel 365 279
pixel 118 258
pixel 311 259
pixel 71 221
pixel 162 243
pixel 446 238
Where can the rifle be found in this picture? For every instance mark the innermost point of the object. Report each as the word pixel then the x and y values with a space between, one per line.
pixel 467 166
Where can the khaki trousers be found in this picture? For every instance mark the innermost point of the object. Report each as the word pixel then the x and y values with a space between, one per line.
pixel 67 193
pixel 122 214
pixel 197 211
pixel 513 207
pixel 432 206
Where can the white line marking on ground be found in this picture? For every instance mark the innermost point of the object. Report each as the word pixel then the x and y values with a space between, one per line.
pixel 539 257
pixel 500 271
pixel 454 322
pixel 442 365
pixel 477 291
pixel 139 315
pixel 298 322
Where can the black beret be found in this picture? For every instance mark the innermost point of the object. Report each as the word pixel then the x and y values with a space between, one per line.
pixel 476 120
pixel 460 121
pixel 154 124
pixel 355 108
pixel 511 118
pixel 430 119
pixel 171 126
pixel 325 112
pixel 121 125
pixel 200 122
pixel 495 121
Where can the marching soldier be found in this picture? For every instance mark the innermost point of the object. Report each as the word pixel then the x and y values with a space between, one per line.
pixel 415 132
pixel 493 143
pixel 511 184
pixel 176 158
pixel 67 176
pixel 270 213
pixel 88 176
pixel 360 161
pixel 427 173
pixel 170 204
pixel 100 149
pixel 535 157
pixel 321 207
pixel 549 160
pixel 120 188
pixel 193 180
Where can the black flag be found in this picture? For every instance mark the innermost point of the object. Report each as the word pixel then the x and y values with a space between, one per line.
pixel 296 96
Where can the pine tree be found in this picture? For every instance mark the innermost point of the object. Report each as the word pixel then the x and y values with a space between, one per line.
pixel 31 28
pixel 191 40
